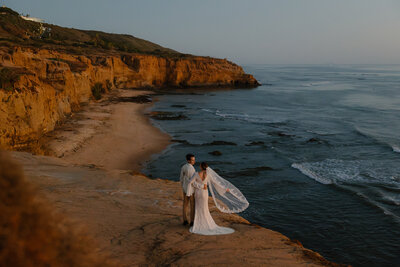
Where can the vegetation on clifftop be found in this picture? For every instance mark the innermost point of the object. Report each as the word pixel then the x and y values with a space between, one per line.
pixel 16 30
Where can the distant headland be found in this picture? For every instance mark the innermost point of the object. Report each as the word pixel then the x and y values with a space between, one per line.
pixel 47 71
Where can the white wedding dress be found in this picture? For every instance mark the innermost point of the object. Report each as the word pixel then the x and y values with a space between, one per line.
pixel 226 197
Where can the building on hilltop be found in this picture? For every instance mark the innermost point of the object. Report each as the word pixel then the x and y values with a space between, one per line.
pixel 32 19
pixel 42 31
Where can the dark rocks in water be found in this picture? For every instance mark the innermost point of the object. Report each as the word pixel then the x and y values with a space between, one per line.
pixel 255 143
pixel 317 141
pixel 220 143
pixel 180 141
pixel 248 172
pixel 178 106
pixel 281 134
pixel 218 162
pixel 141 99
pixel 261 168
pixel 165 115
pixel 222 130
pixel 215 153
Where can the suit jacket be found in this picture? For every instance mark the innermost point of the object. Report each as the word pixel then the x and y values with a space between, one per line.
pixel 187 172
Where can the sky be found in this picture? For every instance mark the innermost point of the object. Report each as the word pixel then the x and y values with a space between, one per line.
pixel 246 32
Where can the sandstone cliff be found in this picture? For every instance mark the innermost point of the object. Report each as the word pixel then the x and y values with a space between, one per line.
pixel 137 222
pixel 50 84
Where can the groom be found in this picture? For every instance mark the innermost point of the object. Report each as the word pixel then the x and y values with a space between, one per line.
pixel 187 172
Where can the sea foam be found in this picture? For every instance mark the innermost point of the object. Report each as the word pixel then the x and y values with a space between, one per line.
pixel 308 172
pixel 396 148
pixel 330 171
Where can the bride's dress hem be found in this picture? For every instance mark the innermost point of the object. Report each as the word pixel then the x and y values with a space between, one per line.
pixel 220 231
pixel 203 221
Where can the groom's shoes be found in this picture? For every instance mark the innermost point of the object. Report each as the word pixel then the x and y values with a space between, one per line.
pixel 185 222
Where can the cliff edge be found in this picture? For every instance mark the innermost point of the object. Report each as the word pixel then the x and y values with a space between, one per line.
pixel 137 221
pixel 47 72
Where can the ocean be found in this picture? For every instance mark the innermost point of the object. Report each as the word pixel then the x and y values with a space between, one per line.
pixel 315 150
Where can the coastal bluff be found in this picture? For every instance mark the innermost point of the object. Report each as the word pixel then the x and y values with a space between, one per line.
pixel 128 218
pixel 87 205
pixel 48 71
pixel 136 221
pixel 41 87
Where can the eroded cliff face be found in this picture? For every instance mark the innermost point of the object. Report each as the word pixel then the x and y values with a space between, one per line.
pixel 53 84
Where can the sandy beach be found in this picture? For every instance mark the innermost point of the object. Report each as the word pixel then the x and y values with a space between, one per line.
pixel 92 178
pixel 111 134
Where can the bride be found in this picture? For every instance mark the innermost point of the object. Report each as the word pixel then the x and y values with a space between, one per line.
pixel 227 198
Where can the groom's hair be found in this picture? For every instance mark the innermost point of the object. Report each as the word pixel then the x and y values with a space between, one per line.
pixel 189 156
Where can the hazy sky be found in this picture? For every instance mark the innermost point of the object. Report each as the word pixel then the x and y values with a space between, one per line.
pixel 252 31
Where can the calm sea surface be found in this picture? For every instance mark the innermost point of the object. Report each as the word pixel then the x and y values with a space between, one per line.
pixel 317 153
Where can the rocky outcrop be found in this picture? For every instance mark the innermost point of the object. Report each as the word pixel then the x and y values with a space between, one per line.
pixel 52 84
pixel 137 221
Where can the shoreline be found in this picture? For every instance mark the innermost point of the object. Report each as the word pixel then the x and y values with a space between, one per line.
pixel 136 219
pixel 101 133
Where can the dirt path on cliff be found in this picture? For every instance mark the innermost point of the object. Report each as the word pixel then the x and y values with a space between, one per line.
pixel 137 220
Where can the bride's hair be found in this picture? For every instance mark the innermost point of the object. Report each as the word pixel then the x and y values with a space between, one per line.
pixel 203 165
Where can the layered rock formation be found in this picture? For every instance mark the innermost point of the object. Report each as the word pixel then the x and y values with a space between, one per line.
pixel 51 84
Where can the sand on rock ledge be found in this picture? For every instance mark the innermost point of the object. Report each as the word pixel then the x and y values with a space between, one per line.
pixel 134 219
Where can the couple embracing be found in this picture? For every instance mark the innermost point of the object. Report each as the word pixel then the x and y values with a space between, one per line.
pixel 195 185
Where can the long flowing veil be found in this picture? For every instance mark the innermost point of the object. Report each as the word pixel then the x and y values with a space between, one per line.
pixel 227 197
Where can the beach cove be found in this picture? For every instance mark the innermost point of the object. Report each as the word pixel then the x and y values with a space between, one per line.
pixel 135 219
pixel 296 105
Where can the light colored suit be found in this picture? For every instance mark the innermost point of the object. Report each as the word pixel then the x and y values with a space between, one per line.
pixel 187 171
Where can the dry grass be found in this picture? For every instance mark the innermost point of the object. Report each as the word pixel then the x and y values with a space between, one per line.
pixel 31 233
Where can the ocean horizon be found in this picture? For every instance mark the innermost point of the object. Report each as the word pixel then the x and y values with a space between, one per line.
pixel 315 149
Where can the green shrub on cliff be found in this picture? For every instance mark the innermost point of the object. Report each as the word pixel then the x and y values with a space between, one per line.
pixel 98 90
pixel 7 79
